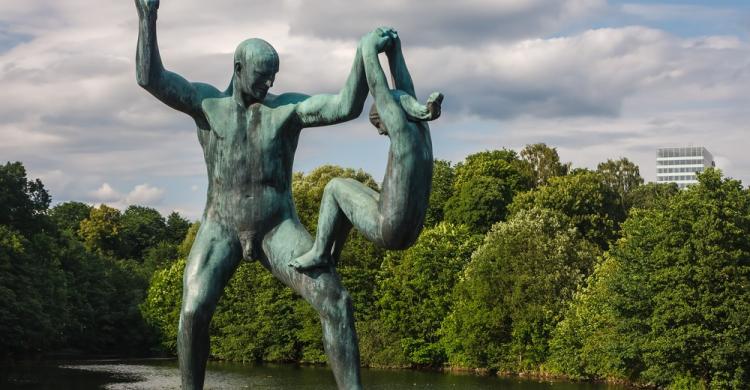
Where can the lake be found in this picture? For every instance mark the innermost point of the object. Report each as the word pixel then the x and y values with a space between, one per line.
pixel 164 374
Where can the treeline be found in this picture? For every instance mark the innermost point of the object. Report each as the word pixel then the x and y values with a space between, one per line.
pixel 526 265
pixel 72 276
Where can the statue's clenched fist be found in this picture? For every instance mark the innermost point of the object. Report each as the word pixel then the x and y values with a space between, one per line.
pixel 146 7
pixel 382 39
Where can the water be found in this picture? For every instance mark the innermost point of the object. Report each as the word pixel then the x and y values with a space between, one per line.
pixel 163 374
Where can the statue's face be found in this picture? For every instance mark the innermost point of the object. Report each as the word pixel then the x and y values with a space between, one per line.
pixel 260 79
pixel 257 77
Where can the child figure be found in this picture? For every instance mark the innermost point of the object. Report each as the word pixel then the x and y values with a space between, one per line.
pixel 393 218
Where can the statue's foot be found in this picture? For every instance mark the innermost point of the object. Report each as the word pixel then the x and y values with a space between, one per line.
pixel 418 112
pixel 434 105
pixel 310 260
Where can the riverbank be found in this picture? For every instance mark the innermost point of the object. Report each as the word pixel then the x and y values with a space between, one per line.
pixel 162 373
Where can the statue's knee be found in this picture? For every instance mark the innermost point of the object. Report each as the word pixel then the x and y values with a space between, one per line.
pixel 196 309
pixel 334 184
pixel 398 240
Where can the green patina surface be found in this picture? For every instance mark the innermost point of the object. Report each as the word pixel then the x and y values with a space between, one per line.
pixel 249 138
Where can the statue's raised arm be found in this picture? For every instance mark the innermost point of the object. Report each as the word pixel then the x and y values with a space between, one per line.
pixel 321 110
pixel 171 88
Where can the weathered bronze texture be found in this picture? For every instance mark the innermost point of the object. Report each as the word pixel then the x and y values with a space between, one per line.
pixel 249 138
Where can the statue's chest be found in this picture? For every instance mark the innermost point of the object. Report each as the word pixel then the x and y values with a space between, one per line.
pixel 246 139
pixel 234 128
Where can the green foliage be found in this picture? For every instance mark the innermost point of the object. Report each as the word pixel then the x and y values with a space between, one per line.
pixel 543 163
pixel 676 294
pixel 484 186
pixel 159 256
pixel 308 190
pixel 443 175
pixel 256 318
pixel 652 195
pixel 176 229
pixel 511 294
pixel 22 202
pixel 582 196
pixel 32 294
pixel 55 293
pixel 183 250
pixel 414 296
pixel 140 228
pixel 588 343
pixel 69 215
pixel 161 308
pixel 622 177
pixel 100 232
pixel 667 305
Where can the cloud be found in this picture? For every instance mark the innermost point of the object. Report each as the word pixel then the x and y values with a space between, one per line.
pixel 106 193
pixel 590 74
pixel 513 72
pixel 663 11
pixel 439 22
pixel 145 194
pixel 142 194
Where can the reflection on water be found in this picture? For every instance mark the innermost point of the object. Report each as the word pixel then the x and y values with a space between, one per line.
pixel 163 374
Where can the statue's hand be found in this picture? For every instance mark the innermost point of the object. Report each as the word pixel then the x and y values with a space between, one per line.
pixel 380 39
pixel 387 37
pixel 146 7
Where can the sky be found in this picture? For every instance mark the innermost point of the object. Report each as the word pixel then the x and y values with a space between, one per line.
pixel 595 79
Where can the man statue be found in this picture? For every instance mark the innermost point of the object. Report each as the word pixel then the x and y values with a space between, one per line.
pixel 249 138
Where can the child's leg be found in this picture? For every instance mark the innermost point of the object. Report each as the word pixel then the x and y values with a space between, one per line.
pixel 345 202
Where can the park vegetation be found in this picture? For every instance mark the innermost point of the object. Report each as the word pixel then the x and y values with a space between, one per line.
pixel 526 265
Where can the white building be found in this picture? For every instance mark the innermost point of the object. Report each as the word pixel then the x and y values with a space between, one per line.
pixel 680 165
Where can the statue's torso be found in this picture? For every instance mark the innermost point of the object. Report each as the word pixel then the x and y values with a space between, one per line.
pixel 249 154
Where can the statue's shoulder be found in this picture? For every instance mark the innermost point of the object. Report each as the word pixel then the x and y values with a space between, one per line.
pixel 216 104
pixel 285 100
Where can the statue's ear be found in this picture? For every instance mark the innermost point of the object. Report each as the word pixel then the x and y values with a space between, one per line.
pixel 237 68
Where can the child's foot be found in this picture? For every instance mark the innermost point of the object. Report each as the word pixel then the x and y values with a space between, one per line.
pixel 310 260
pixel 434 105
pixel 418 112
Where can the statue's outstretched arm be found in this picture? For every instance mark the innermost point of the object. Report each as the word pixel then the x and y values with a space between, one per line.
pixel 171 88
pixel 321 110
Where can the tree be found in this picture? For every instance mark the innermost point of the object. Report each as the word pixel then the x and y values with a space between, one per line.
pixel 69 215
pixel 141 228
pixel 543 162
pixel 183 250
pixel 677 288
pixel 100 232
pixel 176 228
pixel 484 186
pixel 22 201
pixel 414 297
pixel 161 307
pixel 652 195
pixel 623 177
pixel 583 197
pixel 308 190
pixel 511 294
pixel 32 294
pixel 443 176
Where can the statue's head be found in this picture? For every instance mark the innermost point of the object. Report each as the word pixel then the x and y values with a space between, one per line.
pixel 255 66
pixel 375 120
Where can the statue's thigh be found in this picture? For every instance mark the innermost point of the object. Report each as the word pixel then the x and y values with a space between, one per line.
pixel 214 257
pixel 286 242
